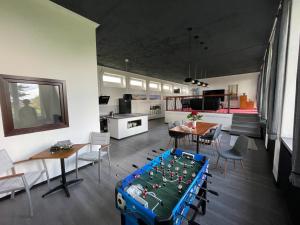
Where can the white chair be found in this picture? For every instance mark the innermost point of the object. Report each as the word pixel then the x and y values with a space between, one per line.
pixel 18 181
pixel 99 139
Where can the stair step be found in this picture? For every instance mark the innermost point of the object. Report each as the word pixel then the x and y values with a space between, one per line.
pixel 245 119
pixel 245 115
pixel 245 125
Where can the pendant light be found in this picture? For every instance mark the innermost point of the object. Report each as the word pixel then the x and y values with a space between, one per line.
pixel 189 79
pixel 195 81
pixel 204 84
pixel 200 82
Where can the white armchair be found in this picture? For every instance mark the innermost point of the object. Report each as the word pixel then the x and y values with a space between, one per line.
pixel 103 141
pixel 18 181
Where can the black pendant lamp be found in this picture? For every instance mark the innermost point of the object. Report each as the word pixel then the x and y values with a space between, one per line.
pixel 189 79
pixel 200 82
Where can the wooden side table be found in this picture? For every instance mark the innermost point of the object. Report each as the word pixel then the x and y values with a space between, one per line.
pixel 46 154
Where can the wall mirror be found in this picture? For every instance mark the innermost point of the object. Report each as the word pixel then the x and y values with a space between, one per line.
pixel 32 104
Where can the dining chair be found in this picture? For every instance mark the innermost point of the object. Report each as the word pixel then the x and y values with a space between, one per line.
pixel 236 153
pixel 19 181
pixel 173 134
pixel 213 138
pixel 102 140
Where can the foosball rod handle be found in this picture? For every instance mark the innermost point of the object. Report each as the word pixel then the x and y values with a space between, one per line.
pixel 201 198
pixel 210 191
pixel 135 166
pixel 213 192
pixel 153 150
pixel 149 159
pixel 208 174
pixel 207 181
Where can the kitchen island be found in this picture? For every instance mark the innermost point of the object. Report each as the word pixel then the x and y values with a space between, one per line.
pixel 126 125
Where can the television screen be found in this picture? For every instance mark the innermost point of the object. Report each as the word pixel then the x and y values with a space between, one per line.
pixel 177 91
pixel 215 92
pixel 103 100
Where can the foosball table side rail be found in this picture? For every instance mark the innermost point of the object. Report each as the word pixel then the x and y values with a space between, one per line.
pixel 183 206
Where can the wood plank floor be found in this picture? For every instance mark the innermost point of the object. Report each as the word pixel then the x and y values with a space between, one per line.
pixel 247 196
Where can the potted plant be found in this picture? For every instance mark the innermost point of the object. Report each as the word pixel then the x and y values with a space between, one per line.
pixel 194 116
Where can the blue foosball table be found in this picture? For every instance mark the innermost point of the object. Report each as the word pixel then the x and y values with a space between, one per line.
pixel 163 191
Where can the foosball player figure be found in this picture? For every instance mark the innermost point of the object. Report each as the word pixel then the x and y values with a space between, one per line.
pixel 179 188
pixel 193 175
pixel 164 181
pixel 184 173
pixel 151 174
pixel 180 178
pixel 156 169
pixel 184 165
pixel 172 162
pixel 162 164
pixel 172 175
pixel 176 170
pixel 144 193
pixel 169 167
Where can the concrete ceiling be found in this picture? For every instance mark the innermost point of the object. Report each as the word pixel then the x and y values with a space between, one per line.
pixel 153 34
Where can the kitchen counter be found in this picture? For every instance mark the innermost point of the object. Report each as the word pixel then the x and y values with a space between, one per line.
pixel 125 125
pixel 125 116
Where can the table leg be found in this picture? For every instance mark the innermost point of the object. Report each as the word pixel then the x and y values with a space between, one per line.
pixel 198 144
pixel 64 183
pixel 176 142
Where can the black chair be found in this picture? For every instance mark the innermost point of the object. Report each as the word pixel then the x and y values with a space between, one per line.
pixel 212 138
pixel 174 134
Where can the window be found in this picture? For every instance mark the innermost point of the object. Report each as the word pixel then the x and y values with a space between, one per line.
pixel 113 80
pixel 185 90
pixel 154 86
pixel 32 104
pixel 137 83
pixel 167 87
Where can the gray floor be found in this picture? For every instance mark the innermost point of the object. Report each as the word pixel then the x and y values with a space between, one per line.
pixel 247 196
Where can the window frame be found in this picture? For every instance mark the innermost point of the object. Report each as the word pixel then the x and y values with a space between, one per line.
pixel 114 84
pixel 7 115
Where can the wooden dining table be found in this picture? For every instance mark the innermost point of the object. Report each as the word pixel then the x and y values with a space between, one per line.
pixel 201 129
pixel 62 155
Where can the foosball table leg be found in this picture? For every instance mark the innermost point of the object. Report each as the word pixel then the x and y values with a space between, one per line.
pixel 203 194
pixel 123 222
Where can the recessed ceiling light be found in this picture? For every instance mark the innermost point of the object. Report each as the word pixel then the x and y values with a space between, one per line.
pixel 201 43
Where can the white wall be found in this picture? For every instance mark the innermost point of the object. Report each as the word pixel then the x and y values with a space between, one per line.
pixel 42 39
pixel 287 125
pixel 116 93
pixel 247 83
